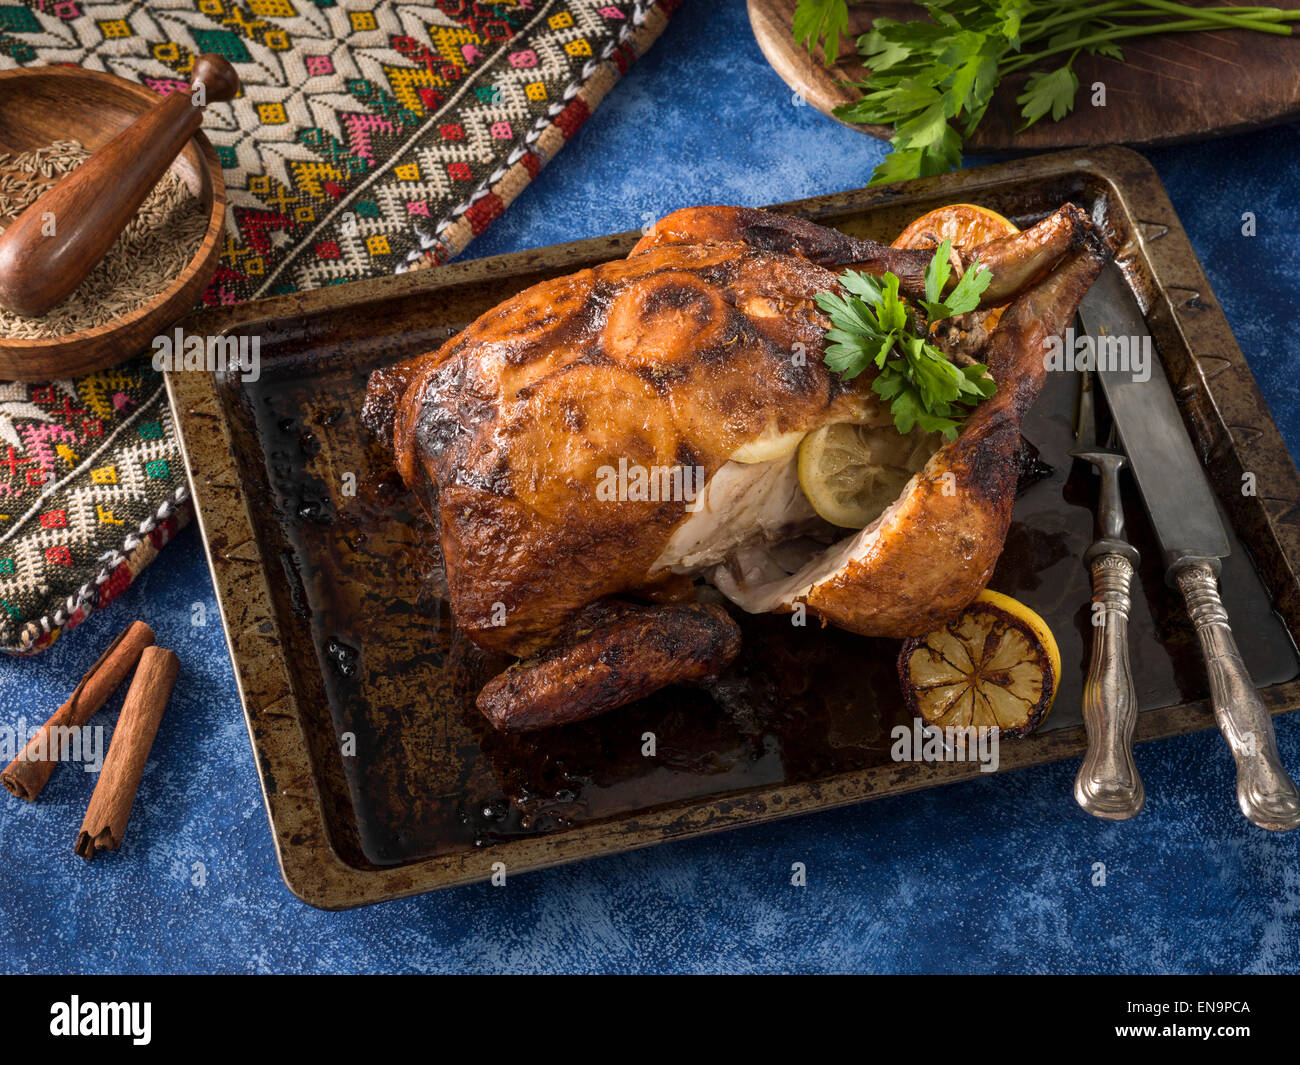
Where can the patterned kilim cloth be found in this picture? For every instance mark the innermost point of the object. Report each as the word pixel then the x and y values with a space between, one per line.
pixel 370 137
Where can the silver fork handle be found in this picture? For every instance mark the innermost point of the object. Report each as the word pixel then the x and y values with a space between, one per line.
pixel 1108 785
pixel 1266 795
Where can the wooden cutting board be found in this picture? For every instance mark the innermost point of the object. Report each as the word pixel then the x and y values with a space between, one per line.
pixel 1173 88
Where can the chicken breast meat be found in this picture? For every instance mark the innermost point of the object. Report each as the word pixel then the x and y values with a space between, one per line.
pixel 597 445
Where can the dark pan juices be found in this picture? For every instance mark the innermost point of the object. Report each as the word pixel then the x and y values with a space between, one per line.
pixel 361 576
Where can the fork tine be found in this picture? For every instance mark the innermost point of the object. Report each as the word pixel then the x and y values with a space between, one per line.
pixel 1085 414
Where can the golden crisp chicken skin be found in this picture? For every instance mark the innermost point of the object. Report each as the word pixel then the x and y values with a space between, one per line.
pixel 702 344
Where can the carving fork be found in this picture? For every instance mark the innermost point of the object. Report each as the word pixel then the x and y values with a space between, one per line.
pixel 1108 785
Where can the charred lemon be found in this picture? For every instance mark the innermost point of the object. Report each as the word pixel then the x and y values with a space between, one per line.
pixel 995 665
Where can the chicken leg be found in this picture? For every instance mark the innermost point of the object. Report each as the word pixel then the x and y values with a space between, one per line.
pixel 1015 261
pixel 934 550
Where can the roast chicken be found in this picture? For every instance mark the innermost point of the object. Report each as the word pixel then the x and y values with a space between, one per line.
pixel 699 358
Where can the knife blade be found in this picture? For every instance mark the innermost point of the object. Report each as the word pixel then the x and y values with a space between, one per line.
pixel 1185 517
pixel 1168 471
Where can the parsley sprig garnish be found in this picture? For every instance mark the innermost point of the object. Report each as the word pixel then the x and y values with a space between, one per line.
pixel 932 80
pixel 873 326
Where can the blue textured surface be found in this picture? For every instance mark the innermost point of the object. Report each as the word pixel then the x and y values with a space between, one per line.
pixel 992 875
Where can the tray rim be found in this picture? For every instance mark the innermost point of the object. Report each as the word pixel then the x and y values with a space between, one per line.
pixel 312 868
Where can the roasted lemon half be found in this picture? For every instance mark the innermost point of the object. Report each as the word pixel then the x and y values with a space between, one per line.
pixel 996 665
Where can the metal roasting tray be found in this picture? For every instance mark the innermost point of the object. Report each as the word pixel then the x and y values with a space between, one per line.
pixel 341 640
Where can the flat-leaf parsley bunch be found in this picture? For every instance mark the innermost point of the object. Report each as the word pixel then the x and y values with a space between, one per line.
pixel 932 80
pixel 873 326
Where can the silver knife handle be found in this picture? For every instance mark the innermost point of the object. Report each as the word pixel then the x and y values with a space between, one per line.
pixel 1266 795
pixel 1108 784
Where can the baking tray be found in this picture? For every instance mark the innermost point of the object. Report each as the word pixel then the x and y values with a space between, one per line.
pixel 380 777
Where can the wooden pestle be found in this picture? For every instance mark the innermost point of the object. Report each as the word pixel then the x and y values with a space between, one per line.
pixel 51 247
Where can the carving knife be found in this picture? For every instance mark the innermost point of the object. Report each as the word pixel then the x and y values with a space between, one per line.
pixel 1186 521
pixel 1108 785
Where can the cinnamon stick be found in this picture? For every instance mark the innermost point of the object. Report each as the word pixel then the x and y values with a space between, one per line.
pixel 104 825
pixel 30 771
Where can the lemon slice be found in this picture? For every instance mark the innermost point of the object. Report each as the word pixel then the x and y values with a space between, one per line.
pixel 851 473
pixel 995 665
pixel 968 226
pixel 770 445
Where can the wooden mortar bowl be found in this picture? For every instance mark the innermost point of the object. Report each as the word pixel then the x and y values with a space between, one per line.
pixel 39 105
